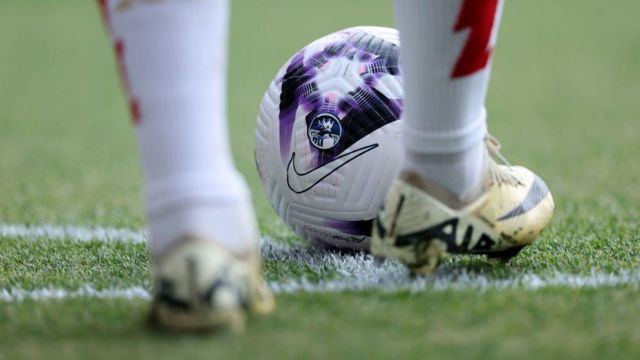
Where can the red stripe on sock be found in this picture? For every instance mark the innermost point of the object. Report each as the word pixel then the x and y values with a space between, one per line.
pixel 478 16
pixel 118 46
pixel 134 106
pixel 104 11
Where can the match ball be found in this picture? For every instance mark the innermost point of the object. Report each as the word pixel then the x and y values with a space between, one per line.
pixel 328 137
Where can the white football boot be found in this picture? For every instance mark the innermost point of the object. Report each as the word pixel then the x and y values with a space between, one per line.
pixel 420 222
pixel 199 285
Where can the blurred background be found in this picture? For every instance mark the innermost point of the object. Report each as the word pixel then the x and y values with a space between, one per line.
pixel 564 100
pixel 565 90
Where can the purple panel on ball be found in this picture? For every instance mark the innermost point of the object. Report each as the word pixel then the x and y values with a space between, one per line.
pixel 361 111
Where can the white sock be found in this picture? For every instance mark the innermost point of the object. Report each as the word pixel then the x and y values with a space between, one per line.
pixel 457 172
pixel 172 55
pixel 446 52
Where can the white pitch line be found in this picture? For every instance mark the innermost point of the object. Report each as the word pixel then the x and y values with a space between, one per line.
pixel 75 233
pixel 345 272
pixel 86 291
pixel 463 281
pixel 530 282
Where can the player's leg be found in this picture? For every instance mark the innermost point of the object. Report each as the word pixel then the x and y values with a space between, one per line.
pixel 446 58
pixel 172 56
pixel 470 203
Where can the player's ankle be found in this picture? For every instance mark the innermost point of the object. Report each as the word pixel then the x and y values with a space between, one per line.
pixel 230 223
pixel 457 174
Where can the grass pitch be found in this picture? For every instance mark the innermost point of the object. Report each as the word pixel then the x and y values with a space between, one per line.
pixel 563 101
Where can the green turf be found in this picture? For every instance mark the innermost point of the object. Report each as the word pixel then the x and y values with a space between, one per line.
pixel 366 325
pixel 563 101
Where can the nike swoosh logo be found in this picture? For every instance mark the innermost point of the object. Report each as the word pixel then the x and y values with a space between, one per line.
pixel 536 194
pixel 313 177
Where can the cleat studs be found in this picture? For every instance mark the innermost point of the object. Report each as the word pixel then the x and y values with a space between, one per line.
pixel 505 255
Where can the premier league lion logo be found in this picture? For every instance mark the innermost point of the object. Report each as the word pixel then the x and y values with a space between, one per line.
pixel 325 131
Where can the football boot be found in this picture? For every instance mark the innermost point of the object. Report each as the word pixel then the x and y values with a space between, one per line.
pixel 420 222
pixel 198 285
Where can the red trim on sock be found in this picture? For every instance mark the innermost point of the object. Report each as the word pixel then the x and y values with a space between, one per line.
pixel 479 16
pixel 118 46
pixel 134 106
pixel 104 12
pixel 134 109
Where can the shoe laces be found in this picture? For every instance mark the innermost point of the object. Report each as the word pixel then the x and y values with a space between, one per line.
pixel 494 146
pixel 500 174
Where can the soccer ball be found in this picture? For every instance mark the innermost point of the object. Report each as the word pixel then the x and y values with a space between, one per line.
pixel 327 137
